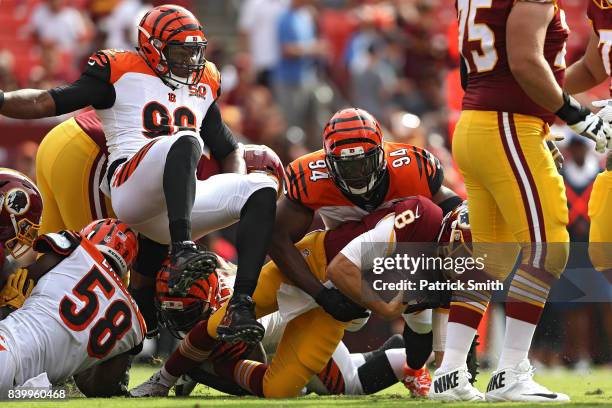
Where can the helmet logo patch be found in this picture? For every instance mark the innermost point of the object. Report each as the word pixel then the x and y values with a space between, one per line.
pixel 17 201
pixel 352 151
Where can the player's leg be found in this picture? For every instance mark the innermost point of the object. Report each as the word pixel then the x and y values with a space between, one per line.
pixel 418 340
pixel 451 379
pixel 158 183
pixel 531 197
pixel 600 234
pixel 249 200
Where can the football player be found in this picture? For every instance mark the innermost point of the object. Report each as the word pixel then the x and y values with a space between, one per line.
pixel 311 334
pixel 356 173
pixel 54 334
pixel 159 114
pixel 592 69
pixel 514 53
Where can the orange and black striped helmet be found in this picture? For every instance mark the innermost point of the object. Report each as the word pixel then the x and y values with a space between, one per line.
pixel 172 42
pixel 353 144
pixel 179 314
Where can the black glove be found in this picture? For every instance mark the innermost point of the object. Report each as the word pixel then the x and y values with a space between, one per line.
pixel 339 306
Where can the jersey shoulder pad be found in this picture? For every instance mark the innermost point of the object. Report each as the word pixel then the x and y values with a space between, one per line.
pixel 414 170
pixel 212 77
pixel 62 243
pixel 111 65
pixel 307 179
pixel 417 219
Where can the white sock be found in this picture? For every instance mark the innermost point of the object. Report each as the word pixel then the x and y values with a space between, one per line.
pixel 397 361
pixel 517 342
pixel 459 339
pixel 166 378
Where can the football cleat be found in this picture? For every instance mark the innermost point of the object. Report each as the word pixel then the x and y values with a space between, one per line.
pixel 188 263
pixel 239 322
pixel 184 386
pixel 454 385
pixel 517 384
pixel 418 381
pixel 153 387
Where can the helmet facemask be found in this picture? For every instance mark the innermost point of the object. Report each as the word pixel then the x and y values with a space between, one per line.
pixel 185 62
pixel 25 234
pixel 357 172
pixel 180 319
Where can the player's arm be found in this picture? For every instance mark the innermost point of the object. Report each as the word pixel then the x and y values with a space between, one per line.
pixel 292 222
pixel 588 71
pixel 105 379
pixel 222 142
pixel 442 196
pixel 345 270
pixel 93 88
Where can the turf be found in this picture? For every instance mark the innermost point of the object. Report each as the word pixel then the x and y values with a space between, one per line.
pixel 586 390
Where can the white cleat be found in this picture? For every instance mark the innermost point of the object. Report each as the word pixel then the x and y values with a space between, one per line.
pixel 454 385
pixel 153 387
pixel 516 384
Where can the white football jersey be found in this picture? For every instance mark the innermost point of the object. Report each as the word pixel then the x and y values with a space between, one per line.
pixel 78 315
pixel 145 107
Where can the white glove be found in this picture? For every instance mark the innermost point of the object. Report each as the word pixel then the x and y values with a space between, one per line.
pixel 606 112
pixel 596 129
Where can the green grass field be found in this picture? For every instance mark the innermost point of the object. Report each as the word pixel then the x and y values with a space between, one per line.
pixel 586 390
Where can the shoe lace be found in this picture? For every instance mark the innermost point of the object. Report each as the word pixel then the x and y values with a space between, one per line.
pixel 526 375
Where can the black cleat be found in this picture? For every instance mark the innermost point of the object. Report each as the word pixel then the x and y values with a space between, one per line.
pixel 239 322
pixel 188 263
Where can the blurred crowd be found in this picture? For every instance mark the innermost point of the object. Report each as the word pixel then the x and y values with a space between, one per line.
pixel 289 65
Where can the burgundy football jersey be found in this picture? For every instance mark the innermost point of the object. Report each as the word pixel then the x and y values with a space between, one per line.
pixel 482 42
pixel 600 14
pixel 423 228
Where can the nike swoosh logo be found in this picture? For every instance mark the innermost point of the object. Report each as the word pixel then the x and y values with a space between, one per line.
pixel 550 396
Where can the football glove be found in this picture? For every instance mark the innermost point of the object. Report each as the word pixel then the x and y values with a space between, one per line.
pixel 13 293
pixel 606 109
pixel 339 306
pixel 585 123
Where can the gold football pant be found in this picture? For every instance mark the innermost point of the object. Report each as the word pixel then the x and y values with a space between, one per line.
pixel 69 168
pixel 308 341
pixel 515 194
pixel 600 212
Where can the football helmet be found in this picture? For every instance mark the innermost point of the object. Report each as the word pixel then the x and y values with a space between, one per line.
pixel 21 208
pixel 117 242
pixel 180 313
pixel 603 4
pixel 352 141
pixel 455 236
pixel 262 159
pixel 172 42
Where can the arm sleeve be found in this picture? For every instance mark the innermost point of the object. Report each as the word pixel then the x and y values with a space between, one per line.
pixel 463 71
pixel 85 91
pixel 375 243
pixel 216 135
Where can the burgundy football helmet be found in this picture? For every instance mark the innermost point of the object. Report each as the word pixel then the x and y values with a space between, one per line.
pixel 21 208
pixel 262 159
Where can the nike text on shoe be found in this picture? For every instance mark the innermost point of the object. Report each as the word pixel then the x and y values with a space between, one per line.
pixel 517 384
pixel 188 263
pixel 153 387
pixel 239 323
pixel 454 385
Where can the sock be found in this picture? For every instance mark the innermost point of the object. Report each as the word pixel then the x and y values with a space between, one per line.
pixel 166 378
pixel 378 372
pixel 459 341
pixel 180 184
pixel 397 361
pixel 394 342
pixel 418 347
pixel 192 351
pixel 524 305
pixel 144 298
pixel 253 238
pixel 246 373
pixel 332 378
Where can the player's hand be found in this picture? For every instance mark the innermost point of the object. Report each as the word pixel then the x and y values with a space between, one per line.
pixel 585 123
pixel 606 109
pixel 13 293
pixel 339 306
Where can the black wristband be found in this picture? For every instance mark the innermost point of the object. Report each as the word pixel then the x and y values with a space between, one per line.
pixel 450 204
pixel 571 112
pixel 1 99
